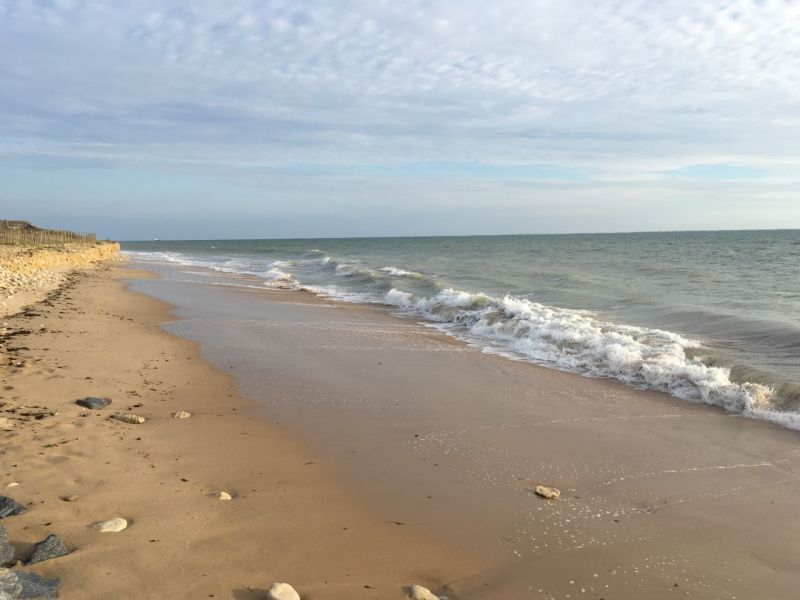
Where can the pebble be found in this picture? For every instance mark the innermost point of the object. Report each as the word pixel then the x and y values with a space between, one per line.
pixel 12 484
pixel 50 547
pixel 282 591
pixel 417 592
pixel 10 508
pixel 548 492
pixel 7 551
pixel 182 414
pixel 112 525
pixel 70 498
pixel 6 424
pixel 224 496
pixel 93 403
pixel 132 419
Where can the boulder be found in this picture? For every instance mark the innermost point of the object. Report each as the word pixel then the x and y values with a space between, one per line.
pixel 129 418
pixel 10 508
pixel 34 586
pixel 93 403
pixel 6 549
pixel 50 547
pixel 548 492
pixel 112 525
pixel 282 591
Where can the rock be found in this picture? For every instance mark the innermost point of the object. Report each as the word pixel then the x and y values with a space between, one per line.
pixel 10 586
pixel 70 498
pixel 34 586
pixel 93 403
pixel 282 591
pixel 417 592
pixel 6 549
pixel 6 424
pixel 10 508
pixel 182 414
pixel 548 492
pixel 132 419
pixel 224 496
pixel 50 547
pixel 12 484
pixel 112 525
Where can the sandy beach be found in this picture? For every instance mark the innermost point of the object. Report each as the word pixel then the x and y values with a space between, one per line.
pixel 364 453
pixel 289 519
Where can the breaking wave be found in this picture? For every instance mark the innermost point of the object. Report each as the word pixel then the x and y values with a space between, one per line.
pixel 578 341
pixel 567 339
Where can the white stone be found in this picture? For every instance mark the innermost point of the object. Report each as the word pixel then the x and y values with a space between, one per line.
pixel 12 484
pixel 224 496
pixel 6 424
pixel 282 591
pixel 418 592
pixel 132 419
pixel 548 492
pixel 112 525
pixel 182 414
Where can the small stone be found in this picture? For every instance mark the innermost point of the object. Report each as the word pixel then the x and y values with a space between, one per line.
pixel 112 525
pixel 182 414
pixel 34 586
pixel 548 492
pixel 417 592
pixel 50 547
pixel 224 496
pixel 282 591
pixel 10 508
pixel 129 418
pixel 70 498
pixel 10 586
pixel 6 549
pixel 12 484
pixel 6 424
pixel 93 403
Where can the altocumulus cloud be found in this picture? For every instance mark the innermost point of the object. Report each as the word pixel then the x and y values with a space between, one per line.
pixel 533 100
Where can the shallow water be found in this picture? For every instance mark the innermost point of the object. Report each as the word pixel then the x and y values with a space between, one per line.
pixel 711 317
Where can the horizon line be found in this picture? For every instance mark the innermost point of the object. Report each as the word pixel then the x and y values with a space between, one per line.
pixel 476 235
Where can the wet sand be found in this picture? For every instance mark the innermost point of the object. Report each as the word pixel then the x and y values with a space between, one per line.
pixel 291 518
pixel 660 498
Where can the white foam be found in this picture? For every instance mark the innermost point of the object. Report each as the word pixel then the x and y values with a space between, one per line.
pixel 567 339
pixel 579 341
pixel 402 273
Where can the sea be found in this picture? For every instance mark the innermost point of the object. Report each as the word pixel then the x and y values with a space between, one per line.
pixel 710 316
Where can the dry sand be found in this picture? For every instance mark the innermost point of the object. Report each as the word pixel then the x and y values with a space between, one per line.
pixel 289 519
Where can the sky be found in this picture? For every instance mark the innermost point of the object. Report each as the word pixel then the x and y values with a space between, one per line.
pixel 271 118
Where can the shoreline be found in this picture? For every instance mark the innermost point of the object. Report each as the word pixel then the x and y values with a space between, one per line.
pixel 656 491
pixel 366 453
pixel 289 519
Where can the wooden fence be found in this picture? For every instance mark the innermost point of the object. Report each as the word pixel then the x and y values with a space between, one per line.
pixel 44 237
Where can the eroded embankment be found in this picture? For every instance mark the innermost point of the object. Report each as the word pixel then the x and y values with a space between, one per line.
pixel 34 270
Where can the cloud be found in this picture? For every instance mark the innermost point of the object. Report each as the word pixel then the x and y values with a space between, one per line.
pixel 610 90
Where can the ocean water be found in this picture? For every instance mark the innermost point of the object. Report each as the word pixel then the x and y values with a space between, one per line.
pixel 710 317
